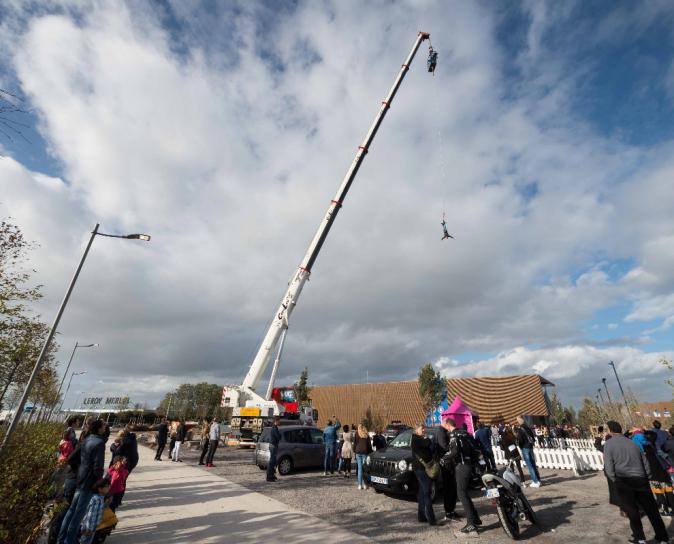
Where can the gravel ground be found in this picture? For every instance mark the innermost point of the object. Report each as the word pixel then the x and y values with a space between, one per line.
pixel 570 509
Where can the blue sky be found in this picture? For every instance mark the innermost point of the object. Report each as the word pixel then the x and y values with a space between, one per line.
pixel 545 136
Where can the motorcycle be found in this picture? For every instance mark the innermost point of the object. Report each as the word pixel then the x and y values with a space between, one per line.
pixel 505 491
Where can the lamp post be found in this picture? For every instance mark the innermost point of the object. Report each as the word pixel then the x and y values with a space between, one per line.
pixel 65 373
pixel 52 331
pixel 69 382
pixel 600 396
pixel 629 416
pixel 608 395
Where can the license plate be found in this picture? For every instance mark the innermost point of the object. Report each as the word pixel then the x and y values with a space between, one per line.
pixel 378 480
pixel 493 493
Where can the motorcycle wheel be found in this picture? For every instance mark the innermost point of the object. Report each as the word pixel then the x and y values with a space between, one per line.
pixel 509 524
pixel 529 511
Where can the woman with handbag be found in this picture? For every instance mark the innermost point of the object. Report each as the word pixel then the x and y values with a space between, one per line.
pixel 422 460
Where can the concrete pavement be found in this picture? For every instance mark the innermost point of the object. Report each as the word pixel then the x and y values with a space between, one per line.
pixel 169 503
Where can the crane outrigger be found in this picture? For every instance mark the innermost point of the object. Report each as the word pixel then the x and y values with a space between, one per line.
pixel 250 409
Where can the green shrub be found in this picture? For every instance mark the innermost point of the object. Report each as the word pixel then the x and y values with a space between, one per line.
pixel 26 467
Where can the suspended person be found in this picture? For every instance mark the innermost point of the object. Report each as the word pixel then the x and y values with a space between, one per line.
pixel 362 446
pixel 624 464
pixel 422 453
pixel 464 456
pixel 509 447
pixel 162 435
pixel 432 60
pixel 526 442
pixel 205 432
pixel 447 470
pixel 213 441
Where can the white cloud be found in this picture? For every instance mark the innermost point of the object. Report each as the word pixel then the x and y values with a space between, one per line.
pixel 227 150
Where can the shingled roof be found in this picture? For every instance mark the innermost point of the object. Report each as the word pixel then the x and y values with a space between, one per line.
pixel 493 398
pixel 501 398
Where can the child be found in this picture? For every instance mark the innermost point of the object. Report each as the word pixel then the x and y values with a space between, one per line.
pixel 94 512
pixel 118 474
pixel 65 446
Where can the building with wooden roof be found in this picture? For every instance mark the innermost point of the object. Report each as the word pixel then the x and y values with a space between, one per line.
pixel 493 399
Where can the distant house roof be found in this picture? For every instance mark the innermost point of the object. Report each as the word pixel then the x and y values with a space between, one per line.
pixel 493 398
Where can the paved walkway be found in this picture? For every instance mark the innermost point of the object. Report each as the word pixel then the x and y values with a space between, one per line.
pixel 168 503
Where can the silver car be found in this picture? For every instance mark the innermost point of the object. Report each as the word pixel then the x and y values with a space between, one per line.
pixel 300 447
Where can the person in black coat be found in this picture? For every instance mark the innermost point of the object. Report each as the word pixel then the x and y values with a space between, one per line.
pixel 422 450
pixel 661 483
pixel 448 476
pixel 129 448
pixel 162 435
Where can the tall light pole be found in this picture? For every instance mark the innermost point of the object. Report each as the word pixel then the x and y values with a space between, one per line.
pixel 629 416
pixel 608 395
pixel 69 382
pixel 600 396
pixel 65 373
pixel 52 331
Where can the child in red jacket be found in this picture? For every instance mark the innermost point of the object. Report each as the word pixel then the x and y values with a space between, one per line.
pixel 118 474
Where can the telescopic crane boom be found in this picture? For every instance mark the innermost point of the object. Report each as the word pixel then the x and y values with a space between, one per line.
pixel 245 395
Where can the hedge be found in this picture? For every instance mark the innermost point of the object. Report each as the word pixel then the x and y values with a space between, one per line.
pixel 26 468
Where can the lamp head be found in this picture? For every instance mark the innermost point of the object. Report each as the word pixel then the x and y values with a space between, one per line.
pixel 144 237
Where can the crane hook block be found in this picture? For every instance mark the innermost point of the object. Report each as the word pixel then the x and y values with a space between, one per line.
pixel 432 59
pixel 425 35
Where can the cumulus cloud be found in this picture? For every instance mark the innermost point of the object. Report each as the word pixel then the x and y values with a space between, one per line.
pixel 225 135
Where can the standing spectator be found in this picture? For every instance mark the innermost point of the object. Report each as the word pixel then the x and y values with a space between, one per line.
pixel 205 441
pixel 509 447
pixel 129 448
pixel 213 439
pixel 483 437
pixel 421 451
pixel 463 454
pixel 546 437
pixel 624 464
pixel 66 446
pixel 172 444
pixel 94 511
pixel 116 445
pixel 181 432
pixel 660 435
pixel 274 439
pixel 118 474
pixel 539 435
pixel 92 458
pixel 362 445
pixel 525 440
pixel 661 483
pixel 378 440
pixel 347 451
pixel 599 439
pixel 448 475
pixel 668 447
pixel 330 441
pixel 162 435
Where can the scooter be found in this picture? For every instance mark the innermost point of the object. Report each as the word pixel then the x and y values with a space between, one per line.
pixel 505 491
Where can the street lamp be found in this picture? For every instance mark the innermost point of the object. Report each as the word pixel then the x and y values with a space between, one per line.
pixel 69 382
pixel 600 395
pixel 52 331
pixel 65 373
pixel 608 395
pixel 629 416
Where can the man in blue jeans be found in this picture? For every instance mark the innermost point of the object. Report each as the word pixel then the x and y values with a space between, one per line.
pixel 526 440
pixel 91 469
pixel 330 441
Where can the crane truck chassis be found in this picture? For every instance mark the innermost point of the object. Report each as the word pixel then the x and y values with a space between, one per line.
pixel 252 411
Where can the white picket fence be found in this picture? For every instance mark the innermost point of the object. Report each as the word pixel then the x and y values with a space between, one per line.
pixel 566 459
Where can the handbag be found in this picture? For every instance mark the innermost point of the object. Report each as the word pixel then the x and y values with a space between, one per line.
pixel 431 468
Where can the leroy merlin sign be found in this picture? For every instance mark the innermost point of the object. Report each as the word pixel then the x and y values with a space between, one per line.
pixel 95 402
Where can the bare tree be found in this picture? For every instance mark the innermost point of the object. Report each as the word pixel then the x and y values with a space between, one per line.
pixel 12 124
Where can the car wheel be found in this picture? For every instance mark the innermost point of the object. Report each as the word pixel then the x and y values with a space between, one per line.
pixel 261 467
pixel 285 466
pixel 378 490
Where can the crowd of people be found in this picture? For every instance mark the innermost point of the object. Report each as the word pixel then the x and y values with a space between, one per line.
pixel 639 468
pixel 90 494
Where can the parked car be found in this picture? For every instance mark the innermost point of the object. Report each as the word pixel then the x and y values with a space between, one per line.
pixel 300 447
pixel 389 470
pixel 394 429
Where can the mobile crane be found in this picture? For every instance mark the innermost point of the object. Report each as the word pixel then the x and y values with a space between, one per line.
pixel 251 411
